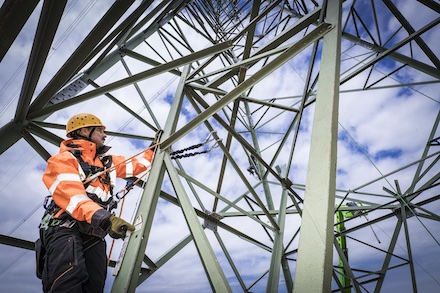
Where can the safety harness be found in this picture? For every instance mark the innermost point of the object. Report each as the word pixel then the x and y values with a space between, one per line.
pixel 95 172
pixel 65 220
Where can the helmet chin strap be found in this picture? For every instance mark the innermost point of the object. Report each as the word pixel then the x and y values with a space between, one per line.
pixel 90 134
pixel 89 138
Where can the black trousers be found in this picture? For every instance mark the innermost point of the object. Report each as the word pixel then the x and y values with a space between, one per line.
pixel 74 262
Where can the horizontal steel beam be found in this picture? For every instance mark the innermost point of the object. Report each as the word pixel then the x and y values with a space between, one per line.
pixel 16 242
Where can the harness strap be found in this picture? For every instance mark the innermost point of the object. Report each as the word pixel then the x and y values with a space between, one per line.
pixel 90 170
pixel 50 206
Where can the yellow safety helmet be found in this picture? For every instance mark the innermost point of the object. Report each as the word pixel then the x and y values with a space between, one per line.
pixel 82 120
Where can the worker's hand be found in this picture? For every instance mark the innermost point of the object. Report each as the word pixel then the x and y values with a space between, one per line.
pixel 157 137
pixel 118 227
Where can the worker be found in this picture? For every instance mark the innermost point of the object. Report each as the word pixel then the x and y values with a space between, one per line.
pixel 73 228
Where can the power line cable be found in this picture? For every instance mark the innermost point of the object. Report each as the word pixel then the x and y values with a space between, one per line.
pixel 56 45
pixel 427 272
pixel 392 187
pixel 13 262
pixel 19 171
pixel 26 217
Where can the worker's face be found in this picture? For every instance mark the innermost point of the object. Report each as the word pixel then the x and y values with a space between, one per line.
pixel 98 136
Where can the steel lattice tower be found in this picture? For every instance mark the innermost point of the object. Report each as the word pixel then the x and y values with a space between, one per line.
pixel 214 59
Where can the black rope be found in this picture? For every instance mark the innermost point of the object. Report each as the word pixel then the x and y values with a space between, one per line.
pixel 179 154
pixel 173 157
pixel 187 149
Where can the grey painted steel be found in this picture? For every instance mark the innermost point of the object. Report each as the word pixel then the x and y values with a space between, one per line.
pixel 423 67
pixel 408 27
pixel 13 15
pixel 278 249
pixel 315 251
pixel 235 93
pixel 133 42
pixel 130 80
pixel 10 134
pixel 127 278
pixel 408 247
pixel 393 49
pixel 212 267
pixel 70 68
pixel 17 242
pixel 36 145
pixel 347 268
pixel 388 257
pixel 46 29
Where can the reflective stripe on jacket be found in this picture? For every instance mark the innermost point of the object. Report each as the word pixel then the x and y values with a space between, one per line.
pixel 63 177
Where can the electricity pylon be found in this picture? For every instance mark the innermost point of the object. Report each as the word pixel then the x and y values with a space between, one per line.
pixel 227 68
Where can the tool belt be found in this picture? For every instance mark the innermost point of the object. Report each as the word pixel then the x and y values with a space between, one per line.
pixel 67 221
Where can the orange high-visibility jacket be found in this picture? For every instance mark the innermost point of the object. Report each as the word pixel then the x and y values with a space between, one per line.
pixel 64 175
